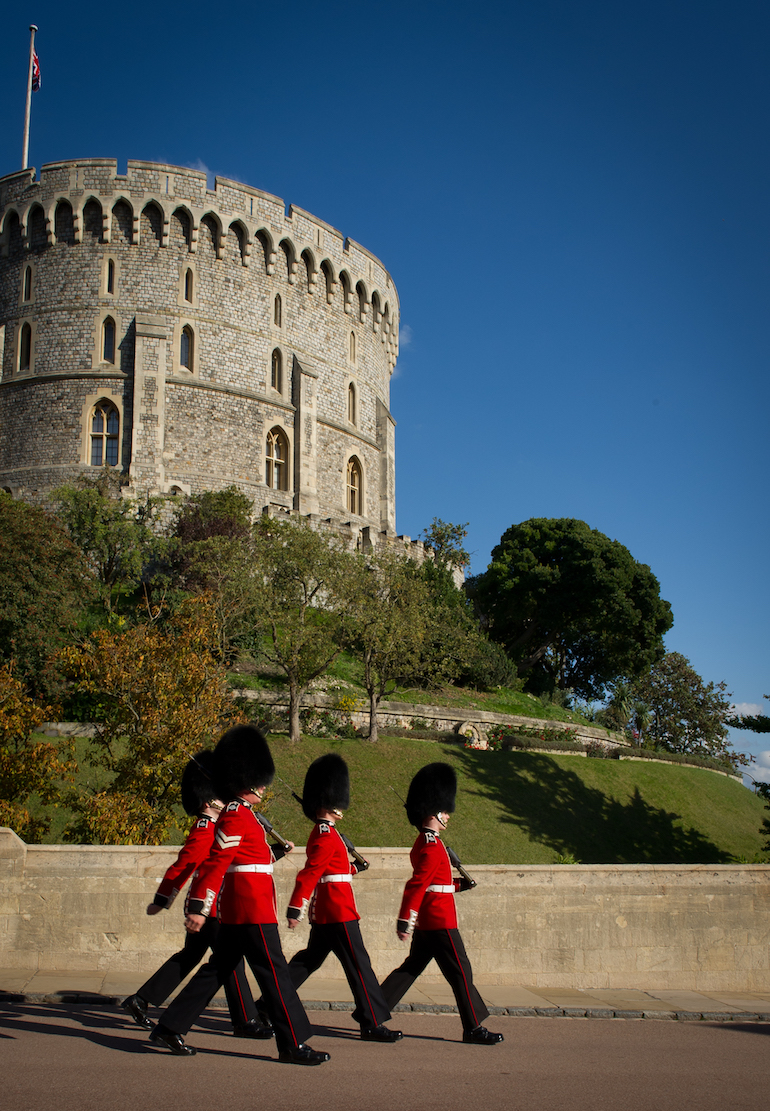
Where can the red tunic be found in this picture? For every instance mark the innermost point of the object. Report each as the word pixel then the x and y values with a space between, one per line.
pixel 429 902
pixel 328 873
pixel 241 864
pixel 194 851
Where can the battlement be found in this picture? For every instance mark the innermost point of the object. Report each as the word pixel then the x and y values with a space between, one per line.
pixel 261 224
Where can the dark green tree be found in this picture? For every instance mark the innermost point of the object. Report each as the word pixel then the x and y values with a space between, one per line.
pixel 45 589
pixel 114 533
pixel 572 608
pixel 756 723
pixel 687 715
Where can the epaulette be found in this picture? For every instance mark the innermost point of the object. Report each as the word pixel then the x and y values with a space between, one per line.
pixel 232 806
pixel 324 827
pixel 430 837
pixel 202 823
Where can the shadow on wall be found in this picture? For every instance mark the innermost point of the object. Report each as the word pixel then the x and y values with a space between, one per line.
pixel 553 806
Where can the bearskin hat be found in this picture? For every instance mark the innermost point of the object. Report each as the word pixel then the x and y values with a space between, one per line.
pixel 327 786
pixel 197 782
pixel 432 791
pixel 242 761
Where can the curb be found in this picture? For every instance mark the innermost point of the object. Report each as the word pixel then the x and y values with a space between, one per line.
pixel 89 998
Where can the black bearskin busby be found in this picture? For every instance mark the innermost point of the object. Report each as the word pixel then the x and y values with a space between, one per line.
pixel 242 762
pixel 327 786
pixel 198 783
pixel 432 791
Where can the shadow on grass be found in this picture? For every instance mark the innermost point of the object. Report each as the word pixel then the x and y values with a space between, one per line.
pixel 554 807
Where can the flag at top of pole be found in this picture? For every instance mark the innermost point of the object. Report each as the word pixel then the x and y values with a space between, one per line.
pixel 33 84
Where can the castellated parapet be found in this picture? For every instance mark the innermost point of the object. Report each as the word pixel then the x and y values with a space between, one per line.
pixel 193 339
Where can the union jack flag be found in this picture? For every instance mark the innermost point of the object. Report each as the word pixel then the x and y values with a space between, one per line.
pixel 35 72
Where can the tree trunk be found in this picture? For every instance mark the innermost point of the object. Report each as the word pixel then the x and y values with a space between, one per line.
pixel 294 703
pixel 373 703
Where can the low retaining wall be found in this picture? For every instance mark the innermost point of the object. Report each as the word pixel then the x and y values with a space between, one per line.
pixel 699 927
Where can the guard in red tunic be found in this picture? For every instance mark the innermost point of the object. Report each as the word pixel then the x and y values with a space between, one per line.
pixel 238 873
pixel 198 798
pixel 428 907
pixel 324 884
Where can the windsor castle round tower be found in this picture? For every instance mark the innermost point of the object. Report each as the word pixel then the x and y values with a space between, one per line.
pixel 193 339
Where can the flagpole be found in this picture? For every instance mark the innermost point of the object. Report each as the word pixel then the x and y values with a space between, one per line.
pixel 25 149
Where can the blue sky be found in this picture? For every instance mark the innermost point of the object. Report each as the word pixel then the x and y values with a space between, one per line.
pixel 572 198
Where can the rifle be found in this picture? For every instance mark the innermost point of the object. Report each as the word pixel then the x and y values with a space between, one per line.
pixel 268 828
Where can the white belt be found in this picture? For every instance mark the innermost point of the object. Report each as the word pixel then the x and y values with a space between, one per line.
pixel 251 868
pixel 442 888
pixel 346 878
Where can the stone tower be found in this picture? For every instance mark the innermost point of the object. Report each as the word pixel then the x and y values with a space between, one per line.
pixel 193 339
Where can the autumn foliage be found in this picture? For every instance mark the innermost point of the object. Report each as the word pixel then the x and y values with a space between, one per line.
pixel 163 696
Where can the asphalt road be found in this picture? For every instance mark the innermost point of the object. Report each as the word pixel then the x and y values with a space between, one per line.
pixel 55 1057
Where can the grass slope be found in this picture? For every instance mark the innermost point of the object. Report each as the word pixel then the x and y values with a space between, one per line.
pixel 529 808
pixel 518 807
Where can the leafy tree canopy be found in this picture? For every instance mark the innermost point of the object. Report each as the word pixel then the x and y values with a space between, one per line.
pixel 213 513
pixel 114 533
pixel 163 696
pixel 756 723
pixel 45 587
pixel 28 764
pixel 687 715
pixel 572 608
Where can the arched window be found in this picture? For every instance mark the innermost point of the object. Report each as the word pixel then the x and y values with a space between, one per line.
pixel 352 403
pixel 187 347
pixel 354 487
pixel 188 286
pixel 276 371
pixel 25 348
pixel 110 275
pixel 277 311
pixel 352 351
pixel 105 427
pixel 108 340
pixel 276 457
pixel 26 292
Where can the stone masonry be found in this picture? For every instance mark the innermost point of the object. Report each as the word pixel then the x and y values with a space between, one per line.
pixel 210 321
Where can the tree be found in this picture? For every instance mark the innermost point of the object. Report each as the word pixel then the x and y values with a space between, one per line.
pixel 213 513
pixel 163 696
pixel 756 723
pixel 687 715
pixel 28 765
pixel 45 587
pixel 572 608
pixel 389 624
pixel 114 533
pixel 303 581
pixel 445 542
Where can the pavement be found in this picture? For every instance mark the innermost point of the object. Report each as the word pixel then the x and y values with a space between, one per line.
pixel 108 988
pixel 65 1057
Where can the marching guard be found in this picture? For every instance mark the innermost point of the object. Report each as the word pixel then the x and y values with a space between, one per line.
pixel 324 889
pixel 238 873
pixel 428 910
pixel 199 800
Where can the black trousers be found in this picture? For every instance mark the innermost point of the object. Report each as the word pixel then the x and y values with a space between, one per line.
pixel 345 941
pixel 447 949
pixel 169 976
pixel 260 945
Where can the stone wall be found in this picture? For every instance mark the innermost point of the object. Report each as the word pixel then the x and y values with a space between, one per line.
pixel 687 927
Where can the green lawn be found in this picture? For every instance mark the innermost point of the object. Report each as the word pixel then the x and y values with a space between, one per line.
pixel 518 807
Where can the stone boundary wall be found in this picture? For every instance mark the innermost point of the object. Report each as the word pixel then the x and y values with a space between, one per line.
pixel 650 927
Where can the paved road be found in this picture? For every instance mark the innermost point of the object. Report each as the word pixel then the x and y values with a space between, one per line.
pixel 55 1057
